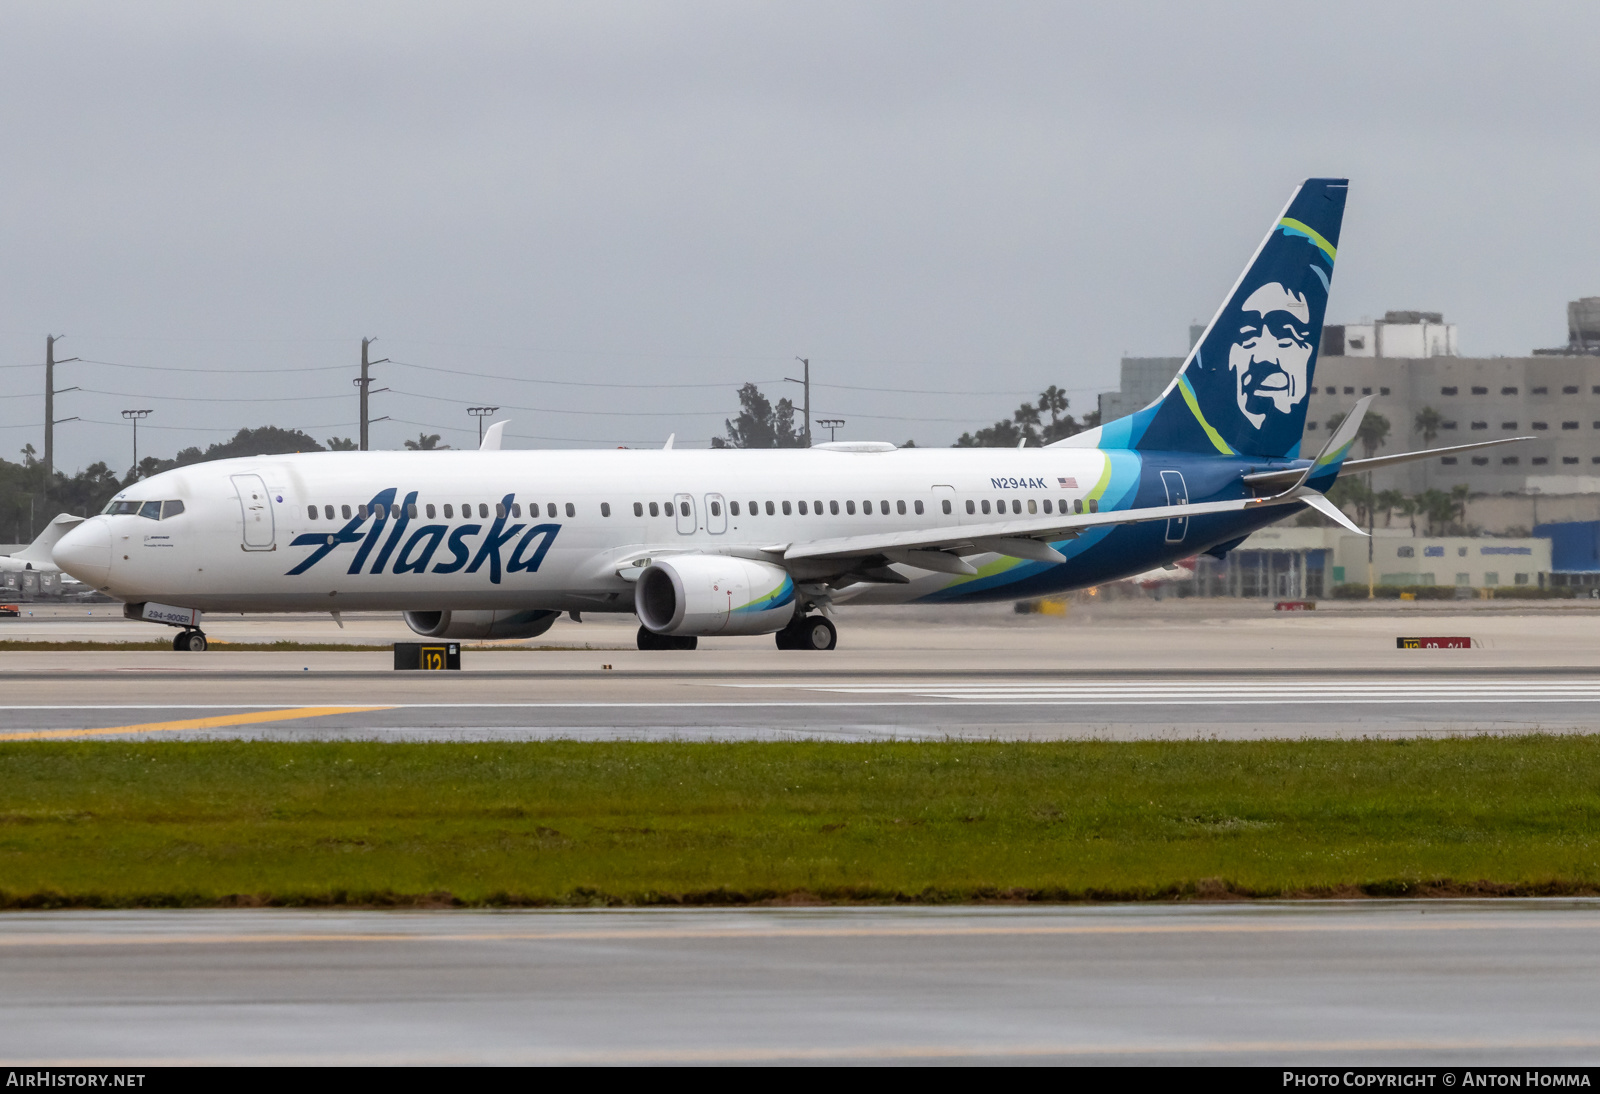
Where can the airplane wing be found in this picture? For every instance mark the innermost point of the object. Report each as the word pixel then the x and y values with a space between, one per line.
pixel 1020 538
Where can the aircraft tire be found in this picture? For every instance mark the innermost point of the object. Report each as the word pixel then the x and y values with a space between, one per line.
pixel 192 641
pixel 816 632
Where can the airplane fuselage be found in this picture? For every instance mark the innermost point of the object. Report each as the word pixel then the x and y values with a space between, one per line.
pixel 561 530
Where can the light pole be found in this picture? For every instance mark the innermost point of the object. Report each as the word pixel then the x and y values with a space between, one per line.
pixel 136 416
pixel 831 424
pixel 480 413
pixel 806 416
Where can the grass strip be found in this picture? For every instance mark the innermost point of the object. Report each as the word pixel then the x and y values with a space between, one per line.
pixel 567 823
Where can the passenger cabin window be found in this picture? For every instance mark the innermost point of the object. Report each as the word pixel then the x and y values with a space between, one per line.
pixel 411 510
pixel 1033 506
pixel 900 507
pixel 917 505
pixel 572 510
pixel 311 511
pixel 946 507
pixel 816 506
pixel 431 511
pixel 802 504
pixel 971 507
pixel 986 505
pixel 655 510
pixel 850 508
pixel 344 510
pixel 833 507
pixel 483 510
pixel 788 510
pixel 883 506
pixel 394 511
pixel 605 509
pixel 449 511
pixel 771 509
pixel 716 508
pixel 550 509
pixel 733 507
pixel 1048 507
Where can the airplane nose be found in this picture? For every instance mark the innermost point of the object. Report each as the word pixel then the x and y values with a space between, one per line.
pixel 85 553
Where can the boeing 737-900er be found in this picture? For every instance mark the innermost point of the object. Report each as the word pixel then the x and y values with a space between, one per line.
pixel 498 544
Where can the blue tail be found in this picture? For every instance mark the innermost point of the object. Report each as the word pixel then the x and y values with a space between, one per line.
pixel 1245 386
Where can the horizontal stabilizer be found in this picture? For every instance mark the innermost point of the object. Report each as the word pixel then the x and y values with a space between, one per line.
pixel 1293 475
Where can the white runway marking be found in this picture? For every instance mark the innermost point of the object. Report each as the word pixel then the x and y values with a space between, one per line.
pixel 1224 692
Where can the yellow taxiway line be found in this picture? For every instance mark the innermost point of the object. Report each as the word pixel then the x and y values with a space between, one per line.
pixel 217 722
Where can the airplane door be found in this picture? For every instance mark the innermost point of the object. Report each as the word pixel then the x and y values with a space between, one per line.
pixel 686 522
pixel 256 508
pixel 716 514
pixel 1177 494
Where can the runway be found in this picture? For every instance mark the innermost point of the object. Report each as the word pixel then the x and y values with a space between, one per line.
pixel 1190 669
pixel 1381 983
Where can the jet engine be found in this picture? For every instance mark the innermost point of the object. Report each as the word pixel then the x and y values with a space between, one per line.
pixel 497 624
pixel 713 594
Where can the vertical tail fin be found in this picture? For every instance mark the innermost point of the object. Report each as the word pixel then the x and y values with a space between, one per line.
pixel 1246 384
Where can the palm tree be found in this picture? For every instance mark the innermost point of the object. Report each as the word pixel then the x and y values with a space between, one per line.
pixel 1053 401
pixel 426 442
pixel 1388 501
pixel 1427 423
pixel 1458 494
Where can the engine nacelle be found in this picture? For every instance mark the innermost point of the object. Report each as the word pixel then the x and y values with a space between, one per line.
pixel 713 594
pixel 497 624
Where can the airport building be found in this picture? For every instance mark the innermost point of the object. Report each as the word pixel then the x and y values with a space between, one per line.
pixel 1291 563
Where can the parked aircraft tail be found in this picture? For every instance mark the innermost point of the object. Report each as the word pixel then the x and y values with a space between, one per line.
pixel 38 552
pixel 1245 386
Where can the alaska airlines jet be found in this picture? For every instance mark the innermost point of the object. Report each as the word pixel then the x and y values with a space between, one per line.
pixel 497 544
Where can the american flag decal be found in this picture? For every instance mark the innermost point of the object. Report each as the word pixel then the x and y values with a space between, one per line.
pixel 1068 484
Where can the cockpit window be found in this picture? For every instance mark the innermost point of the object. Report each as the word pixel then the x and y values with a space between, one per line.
pixel 153 510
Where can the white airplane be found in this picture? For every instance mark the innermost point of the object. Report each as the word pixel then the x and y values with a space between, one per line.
pixel 497 544
pixel 36 555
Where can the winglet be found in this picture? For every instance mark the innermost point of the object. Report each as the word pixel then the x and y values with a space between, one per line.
pixel 1331 511
pixel 491 437
pixel 668 446
pixel 1338 446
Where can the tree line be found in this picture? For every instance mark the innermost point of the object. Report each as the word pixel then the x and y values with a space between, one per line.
pixel 26 494
pixel 763 424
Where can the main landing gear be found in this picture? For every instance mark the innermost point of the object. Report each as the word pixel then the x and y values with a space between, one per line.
pixel 810 632
pixel 191 639
pixel 650 640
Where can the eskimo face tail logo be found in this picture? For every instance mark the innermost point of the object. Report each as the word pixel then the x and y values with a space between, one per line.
pixel 414 554
pixel 1271 354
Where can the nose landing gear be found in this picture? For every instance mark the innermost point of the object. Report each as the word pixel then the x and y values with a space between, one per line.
pixel 192 640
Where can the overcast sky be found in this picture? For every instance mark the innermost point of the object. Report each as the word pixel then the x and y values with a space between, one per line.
pixel 977 198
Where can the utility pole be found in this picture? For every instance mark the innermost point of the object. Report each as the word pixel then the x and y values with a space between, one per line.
pixel 806 361
pixel 831 424
pixel 366 388
pixel 50 394
pixel 136 416
pixel 1371 587
pixel 480 413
